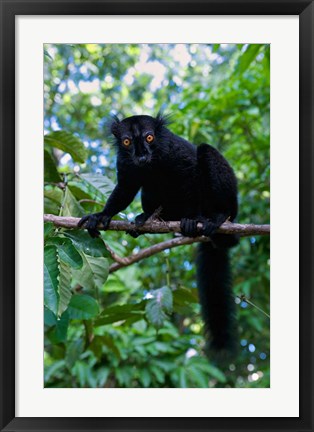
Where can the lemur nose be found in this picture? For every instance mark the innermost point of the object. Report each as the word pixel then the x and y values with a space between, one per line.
pixel 142 158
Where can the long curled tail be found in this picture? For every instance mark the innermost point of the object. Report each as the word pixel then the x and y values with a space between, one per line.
pixel 217 302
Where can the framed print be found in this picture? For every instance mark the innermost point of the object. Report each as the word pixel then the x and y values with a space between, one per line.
pixel 195 121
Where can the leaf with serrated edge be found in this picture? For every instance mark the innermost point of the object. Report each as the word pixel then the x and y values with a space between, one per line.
pixel 51 274
pixel 157 306
pixel 64 287
pixel 67 252
pixel 94 272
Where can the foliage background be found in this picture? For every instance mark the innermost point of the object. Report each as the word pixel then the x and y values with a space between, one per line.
pixel 108 330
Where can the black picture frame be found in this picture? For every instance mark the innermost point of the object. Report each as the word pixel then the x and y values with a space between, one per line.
pixel 9 10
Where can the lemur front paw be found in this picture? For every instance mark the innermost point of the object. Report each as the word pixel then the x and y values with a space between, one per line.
pixel 189 227
pixel 91 221
pixel 209 228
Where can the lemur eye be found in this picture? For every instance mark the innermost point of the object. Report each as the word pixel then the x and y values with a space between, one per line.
pixel 126 142
pixel 150 138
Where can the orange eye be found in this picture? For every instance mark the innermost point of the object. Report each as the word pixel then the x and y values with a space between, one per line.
pixel 150 138
pixel 126 142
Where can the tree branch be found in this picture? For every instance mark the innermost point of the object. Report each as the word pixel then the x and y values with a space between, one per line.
pixel 155 226
pixel 160 227
pixel 153 250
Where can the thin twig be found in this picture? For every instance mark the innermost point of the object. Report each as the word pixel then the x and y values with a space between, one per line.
pixel 243 298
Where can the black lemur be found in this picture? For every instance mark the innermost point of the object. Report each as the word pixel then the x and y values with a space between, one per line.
pixel 187 183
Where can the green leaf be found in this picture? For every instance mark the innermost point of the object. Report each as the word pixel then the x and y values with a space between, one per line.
pixel 197 377
pixel 94 272
pixel 145 377
pixel 67 252
pixel 158 373
pixel 64 287
pixel 70 207
pixel 50 207
pixel 158 306
pixel 182 378
pixel 48 229
pixel 54 194
pixel 74 350
pixel 133 312
pixel 99 342
pixel 49 317
pixel 51 274
pixel 83 307
pixel 247 57
pixel 130 317
pixel 183 296
pixel 94 247
pixel 50 170
pixel 58 333
pixel 68 143
pixel 46 53
pixel 102 184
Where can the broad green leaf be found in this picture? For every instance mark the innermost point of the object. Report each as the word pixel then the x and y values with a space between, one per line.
pixel 64 287
pixel 182 378
pixel 158 373
pixel 79 190
pixel 158 306
pixel 94 247
pixel 102 184
pixel 214 372
pixel 67 252
pixel 46 53
pixel 197 377
pixel 52 369
pixel 50 173
pixel 58 333
pixel 55 194
pixel 49 317
pixel 184 296
pixel 247 57
pixel 52 200
pixel 99 342
pixel 70 207
pixel 50 207
pixel 74 349
pixel 132 312
pixel 68 143
pixel 48 229
pixel 118 309
pixel 83 307
pixel 145 377
pixel 94 272
pixel 51 274
pixel 130 317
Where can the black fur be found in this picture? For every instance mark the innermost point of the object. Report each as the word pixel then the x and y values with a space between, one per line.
pixel 191 184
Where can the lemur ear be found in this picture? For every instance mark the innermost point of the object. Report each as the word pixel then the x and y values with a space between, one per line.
pixel 115 126
pixel 162 120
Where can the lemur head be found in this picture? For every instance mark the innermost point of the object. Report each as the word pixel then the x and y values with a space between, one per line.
pixel 139 137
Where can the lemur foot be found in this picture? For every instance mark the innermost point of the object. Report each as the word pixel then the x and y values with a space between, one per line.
pixel 91 221
pixel 139 222
pixel 189 227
